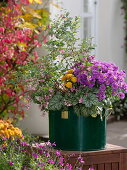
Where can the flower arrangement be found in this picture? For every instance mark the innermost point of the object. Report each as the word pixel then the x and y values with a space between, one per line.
pixel 71 77
pixel 89 86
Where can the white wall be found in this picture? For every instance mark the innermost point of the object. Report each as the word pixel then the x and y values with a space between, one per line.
pixel 74 7
pixel 35 122
pixel 110 32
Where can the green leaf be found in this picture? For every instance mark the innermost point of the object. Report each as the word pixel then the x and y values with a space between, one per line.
pixel 90 99
pixel 57 102
pixel 5 97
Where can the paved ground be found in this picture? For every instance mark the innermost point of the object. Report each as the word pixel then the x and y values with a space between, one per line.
pixel 117 133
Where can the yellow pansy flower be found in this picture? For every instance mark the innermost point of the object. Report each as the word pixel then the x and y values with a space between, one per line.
pixel 63 78
pixel 70 71
pixel 74 79
pixel 69 76
pixel 2 132
pixel 1 126
pixel 68 85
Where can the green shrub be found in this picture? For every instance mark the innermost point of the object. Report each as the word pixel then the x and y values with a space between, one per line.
pixel 120 108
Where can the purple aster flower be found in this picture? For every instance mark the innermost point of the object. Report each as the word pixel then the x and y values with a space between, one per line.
pixel 77 65
pixel 41 145
pixel 111 79
pixel 82 79
pixel 51 161
pixel 123 86
pixel 35 155
pixel 101 95
pixel 121 95
pixel 122 74
pixel 24 143
pixel 90 58
pixel 107 82
pixel 41 163
pixel 114 92
pixel 114 85
pixel 102 87
pixel 77 71
pixel 115 68
pixel 81 159
pixel 95 74
pixel 49 144
pixel 58 153
pixel 53 144
pixel 90 84
pixel 101 78
pixel 69 166
pixel 61 159
pixel 40 151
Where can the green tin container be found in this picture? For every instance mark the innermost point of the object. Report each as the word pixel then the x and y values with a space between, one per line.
pixel 76 133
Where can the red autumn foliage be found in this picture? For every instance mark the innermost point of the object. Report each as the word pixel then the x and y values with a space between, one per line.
pixel 16 51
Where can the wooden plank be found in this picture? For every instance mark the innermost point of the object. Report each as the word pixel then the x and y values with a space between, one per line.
pixel 108 150
pixel 86 167
pixel 123 161
pixel 98 159
pixel 108 166
pixel 101 167
pixel 115 166
pixel 114 159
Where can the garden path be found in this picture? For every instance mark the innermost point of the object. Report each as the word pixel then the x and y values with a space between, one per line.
pixel 117 133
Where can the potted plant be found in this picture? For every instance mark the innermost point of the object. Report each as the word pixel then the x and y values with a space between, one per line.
pixel 77 90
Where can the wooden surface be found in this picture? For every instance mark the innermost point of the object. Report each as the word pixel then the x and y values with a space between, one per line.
pixel 112 158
